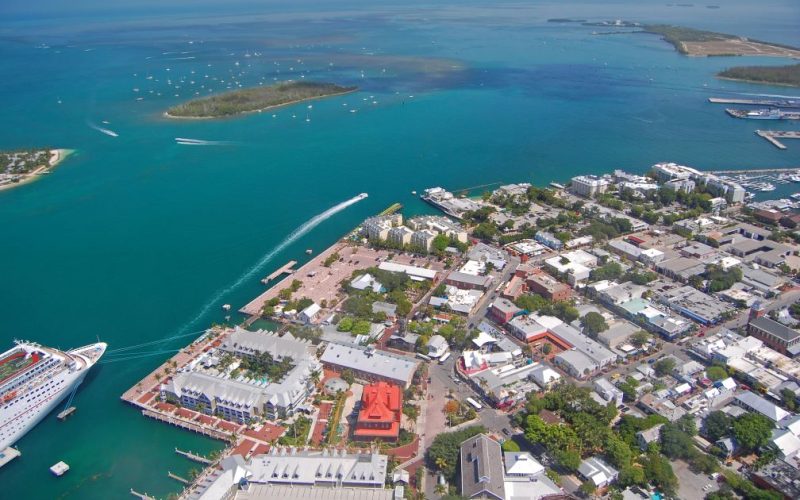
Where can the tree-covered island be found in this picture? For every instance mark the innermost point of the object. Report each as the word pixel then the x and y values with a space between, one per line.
pixel 255 99
pixel 773 75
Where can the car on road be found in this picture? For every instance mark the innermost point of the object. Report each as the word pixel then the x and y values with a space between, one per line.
pixel 651 361
pixel 506 431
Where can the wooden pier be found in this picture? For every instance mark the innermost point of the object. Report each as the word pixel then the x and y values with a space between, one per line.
pixel 179 422
pixel 285 269
pixel 773 135
pixel 194 457
pixel 782 103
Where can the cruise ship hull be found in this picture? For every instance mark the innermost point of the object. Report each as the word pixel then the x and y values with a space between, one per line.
pixel 29 397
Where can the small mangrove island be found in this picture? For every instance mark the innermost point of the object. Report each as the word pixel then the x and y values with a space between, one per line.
pixel 22 166
pixel 773 75
pixel 255 99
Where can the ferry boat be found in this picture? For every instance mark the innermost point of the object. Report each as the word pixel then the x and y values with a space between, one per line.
pixel 34 379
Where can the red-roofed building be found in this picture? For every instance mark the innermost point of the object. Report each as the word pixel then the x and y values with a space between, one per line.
pixel 381 408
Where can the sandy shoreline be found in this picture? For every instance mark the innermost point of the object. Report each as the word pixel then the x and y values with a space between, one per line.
pixel 274 106
pixel 56 156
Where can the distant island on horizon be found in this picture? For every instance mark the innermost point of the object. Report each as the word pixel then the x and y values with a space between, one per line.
pixel 256 99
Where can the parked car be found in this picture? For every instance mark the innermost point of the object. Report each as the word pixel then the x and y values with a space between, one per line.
pixel 506 431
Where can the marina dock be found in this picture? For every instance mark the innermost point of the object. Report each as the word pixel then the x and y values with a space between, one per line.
pixel 285 269
pixel 142 496
pixel 773 135
pixel 185 424
pixel 177 478
pixel 194 457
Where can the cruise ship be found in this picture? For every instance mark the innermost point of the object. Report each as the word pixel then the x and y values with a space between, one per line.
pixel 33 380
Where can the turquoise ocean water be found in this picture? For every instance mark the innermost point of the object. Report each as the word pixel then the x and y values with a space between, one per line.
pixel 137 238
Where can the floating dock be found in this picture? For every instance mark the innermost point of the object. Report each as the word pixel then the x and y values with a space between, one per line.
pixel 59 469
pixel 773 135
pixel 285 269
pixel 66 413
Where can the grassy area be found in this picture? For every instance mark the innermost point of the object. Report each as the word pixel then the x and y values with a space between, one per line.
pixel 775 75
pixel 677 34
pixel 253 99
pixel 333 421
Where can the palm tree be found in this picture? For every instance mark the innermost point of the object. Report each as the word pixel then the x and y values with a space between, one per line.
pixel 440 489
pixel 441 463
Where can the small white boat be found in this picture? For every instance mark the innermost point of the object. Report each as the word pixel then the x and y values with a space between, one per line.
pixel 226 307
pixel 309 251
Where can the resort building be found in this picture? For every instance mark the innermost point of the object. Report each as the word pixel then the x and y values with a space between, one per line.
pixel 380 414
pixel 589 186
pixel 400 236
pixel 205 387
pixel 438 224
pixel 377 228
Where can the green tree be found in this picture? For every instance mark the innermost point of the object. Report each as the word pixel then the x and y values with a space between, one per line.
pixel 640 338
pixel 443 453
pixel 717 425
pixel 716 372
pixel 752 431
pixel 568 459
pixel 664 366
pixel 593 323
pixel 347 376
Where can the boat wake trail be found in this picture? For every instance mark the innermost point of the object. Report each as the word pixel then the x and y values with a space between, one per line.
pixel 102 130
pixel 257 267
pixel 199 142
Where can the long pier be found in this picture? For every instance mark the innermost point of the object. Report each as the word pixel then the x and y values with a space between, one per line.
pixel 773 135
pixel 285 269
pixel 780 103
pixel 193 457
pixel 757 171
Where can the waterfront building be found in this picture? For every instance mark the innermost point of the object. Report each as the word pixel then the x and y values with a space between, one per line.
pixel 381 410
pixel 377 228
pixel 400 236
pixel 589 186
pixel 439 225
pixel 204 386
pixel 318 469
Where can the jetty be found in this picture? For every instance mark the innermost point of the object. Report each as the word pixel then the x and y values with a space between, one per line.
pixel 773 135
pixel 142 496
pixel 177 478
pixel 757 171
pixel 780 103
pixel 188 425
pixel 284 269
pixel 194 457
